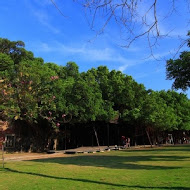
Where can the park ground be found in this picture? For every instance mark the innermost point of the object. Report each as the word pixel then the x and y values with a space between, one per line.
pixel 145 168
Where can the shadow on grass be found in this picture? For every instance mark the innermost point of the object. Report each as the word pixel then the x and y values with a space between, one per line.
pixel 116 162
pixel 93 181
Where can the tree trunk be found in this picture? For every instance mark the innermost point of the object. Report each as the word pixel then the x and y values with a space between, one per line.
pixel 56 139
pixel 96 136
pixel 148 137
pixel 3 161
pixel 108 133
pixel 55 144
pixel 65 138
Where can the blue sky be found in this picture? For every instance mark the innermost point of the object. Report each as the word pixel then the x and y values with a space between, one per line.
pixel 60 39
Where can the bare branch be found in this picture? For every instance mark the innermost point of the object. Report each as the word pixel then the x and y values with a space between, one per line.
pixel 134 18
pixel 58 8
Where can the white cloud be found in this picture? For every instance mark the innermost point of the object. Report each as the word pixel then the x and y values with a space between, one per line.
pixel 159 57
pixel 123 67
pixel 41 14
pixel 91 54
pixel 122 60
pixel 129 63
pixel 148 74
pixel 44 19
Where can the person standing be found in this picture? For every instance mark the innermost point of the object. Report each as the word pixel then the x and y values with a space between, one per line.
pixel 128 140
pixel 123 141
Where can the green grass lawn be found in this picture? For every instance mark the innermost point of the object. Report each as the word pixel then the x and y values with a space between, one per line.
pixel 156 168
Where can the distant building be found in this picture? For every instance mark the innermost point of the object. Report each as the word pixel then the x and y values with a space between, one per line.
pixel 6 135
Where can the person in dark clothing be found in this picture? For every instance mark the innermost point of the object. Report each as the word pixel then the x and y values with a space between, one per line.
pixel 123 141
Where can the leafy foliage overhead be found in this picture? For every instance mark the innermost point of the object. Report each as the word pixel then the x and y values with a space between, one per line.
pixel 179 70
pixel 34 91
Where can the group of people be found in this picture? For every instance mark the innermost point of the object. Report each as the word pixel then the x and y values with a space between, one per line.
pixel 125 142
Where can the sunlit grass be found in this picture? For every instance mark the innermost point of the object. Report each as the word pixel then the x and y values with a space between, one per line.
pixel 157 168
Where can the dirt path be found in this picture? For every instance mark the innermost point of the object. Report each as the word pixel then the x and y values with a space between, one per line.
pixel 33 156
pixel 30 156
pixel 58 154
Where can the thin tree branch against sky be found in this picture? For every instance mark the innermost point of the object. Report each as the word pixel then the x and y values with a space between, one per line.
pixel 136 18
pixel 49 35
pixel 58 8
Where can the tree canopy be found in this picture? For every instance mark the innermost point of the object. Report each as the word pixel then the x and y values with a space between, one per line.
pixel 34 91
pixel 179 70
